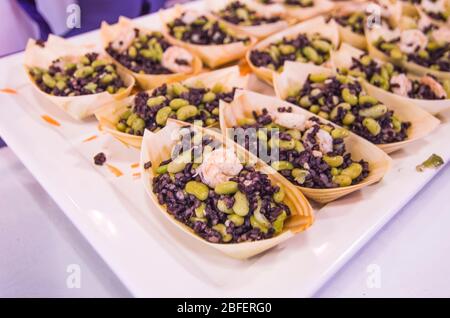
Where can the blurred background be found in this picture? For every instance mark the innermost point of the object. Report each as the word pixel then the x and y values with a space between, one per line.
pixel 23 19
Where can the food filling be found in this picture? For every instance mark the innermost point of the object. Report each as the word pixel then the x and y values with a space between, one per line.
pixel 199 105
pixel 240 14
pixel 311 154
pixel 340 98
pixel 242 205
pixel 87 75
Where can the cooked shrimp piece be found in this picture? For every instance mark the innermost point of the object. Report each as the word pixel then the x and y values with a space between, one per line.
pixel 434 85
pixel 323 138
pixel 177 59
pixel 290 120
pixel 433 6
pixel 190 16
pixel 124 39
pixel 219 166
pixel 441 35
pixel 401 85
pixel 410 40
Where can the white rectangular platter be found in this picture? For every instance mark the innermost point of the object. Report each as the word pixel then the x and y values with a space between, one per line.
pixel 148 254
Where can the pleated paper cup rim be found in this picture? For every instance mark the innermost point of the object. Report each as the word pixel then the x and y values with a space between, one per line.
pixel 303 14
pixel 316 25
pixel 109 114
pixel 78 107
pixel 146 81
pixel 342 58
pixel 157 147
pixel 246 102
pixel 422 123
pixel 212 55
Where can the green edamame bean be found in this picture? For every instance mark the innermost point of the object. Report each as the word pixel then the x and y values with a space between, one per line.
pixel 138 125
pixel 282 165
pixel 111 89
pixel 318 77
pixel 210 121
pixel 314 109
pixel 396 124
pixel 90 87
pixel 215 111
pixel 85 60
pixel 83 72
pixel 107 78
pixel 245 121
pixel 162 115
pixel 218 88
pixel 227 187
pixel 255 224
pixel 98 63
pixel 374 111
pixel 186 112
pixel 349 97
pixel 197 189
pixel 286 49
pixel 126 114
pixel 222 229
pixel 222 206
pixel 261 135
pixel 48 80
pixel 131 119
pixel 372 126
pixel 177 103
pixel 176 165
pixel 299 146
pixel 259 217
pixel 322 46
pixel 334 161
pixel 200 210
pixel 348 119
pixel 241 205
pixel 311 54
pixel 121 127
pixel 61 85
pixel 178 89
pixel 132 51
pixel 304 101
pixel 70 66
pixel 323 114
pixel 294 133
pixel 161 169
pixel 278 224
pixel 367 99
pixel 287 144
pixel 208 97
pixel 335 171
pixel 236 219
pixel 299 175
pixel 279 195
pixel 339 133
pixel 396 54
pixel 353 171
pixel 342 180
pixel 155 101
pixel 366 60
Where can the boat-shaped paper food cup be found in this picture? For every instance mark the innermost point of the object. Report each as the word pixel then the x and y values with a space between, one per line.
pixel 266 57
pixel 404 122
pixel 229 225
pixel 145 54
pixel 70 83
pixel 114 118
pixel 248 104
pixel 351 18
pixel 182 26
pixel 434 11
pixel 398 56
pixel 344 59
pixel 306 9
pixel 249 18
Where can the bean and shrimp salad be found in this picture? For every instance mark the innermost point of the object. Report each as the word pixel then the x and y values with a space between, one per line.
pixel 302 48
pixel 144 54
pixel 340 98
pixel 203 31
pixel 356 21
pixel 312 157
pixel 395 79
pixel 190 104
pixel 297 3
pixel 245 206
pixel 89 75
pixel 434 55
pixel 240 14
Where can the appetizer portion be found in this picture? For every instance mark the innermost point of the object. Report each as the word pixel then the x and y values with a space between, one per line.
pixel 239 13
pixel 215 41
pixel 147 54
pixel 299 9
pixel 220 198
pixel 395 79
pixel 309 42
pixel 74 77
pixel 342 100
pixel 199 105
pixel 310 153
pixel 86 75
pixel 217 193
pixel 194 100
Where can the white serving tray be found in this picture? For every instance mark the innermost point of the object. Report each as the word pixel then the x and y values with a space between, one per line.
pixel 148 253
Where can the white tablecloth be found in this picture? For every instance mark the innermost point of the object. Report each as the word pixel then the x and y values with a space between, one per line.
pixel 408 258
